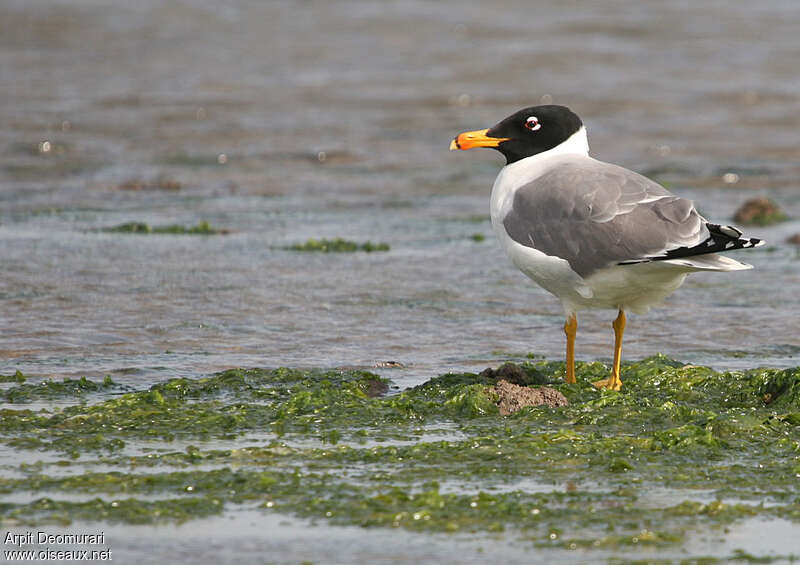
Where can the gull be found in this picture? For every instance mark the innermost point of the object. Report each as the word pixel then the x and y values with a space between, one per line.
pixel 594 234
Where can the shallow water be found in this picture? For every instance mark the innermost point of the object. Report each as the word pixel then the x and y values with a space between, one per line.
pixel 334 119
pixel 293 541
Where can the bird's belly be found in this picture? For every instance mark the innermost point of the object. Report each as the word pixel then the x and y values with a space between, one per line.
pixel 551 273
pixel 634 287
pixel 630 287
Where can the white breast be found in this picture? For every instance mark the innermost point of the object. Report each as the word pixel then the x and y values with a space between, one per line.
pixel 551 273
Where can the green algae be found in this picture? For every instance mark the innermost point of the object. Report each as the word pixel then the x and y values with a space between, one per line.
pixel 53 389
pixel 198 408
pixel 203 228
pixel 17 377
pixel 338 245
pixel 129 511
pixel 434 458
pixel 767 219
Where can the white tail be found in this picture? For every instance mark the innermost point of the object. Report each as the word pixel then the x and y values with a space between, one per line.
pixel 710 262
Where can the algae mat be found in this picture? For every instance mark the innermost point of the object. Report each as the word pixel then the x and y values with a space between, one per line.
pixel 682 454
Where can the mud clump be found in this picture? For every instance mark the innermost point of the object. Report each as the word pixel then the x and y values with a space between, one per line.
pixel 376 388
pixel 513 398
pixel 515 374
pixel 759 211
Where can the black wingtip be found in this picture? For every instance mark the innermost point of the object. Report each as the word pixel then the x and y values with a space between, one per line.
pixel 720 239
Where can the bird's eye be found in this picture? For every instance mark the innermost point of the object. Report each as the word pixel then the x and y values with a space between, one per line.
pixel 532 123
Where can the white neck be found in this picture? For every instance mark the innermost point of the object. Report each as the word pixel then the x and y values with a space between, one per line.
pixel 525 170
pixel 576 143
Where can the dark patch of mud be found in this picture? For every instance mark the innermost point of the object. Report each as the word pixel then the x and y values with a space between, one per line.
pixel 516 374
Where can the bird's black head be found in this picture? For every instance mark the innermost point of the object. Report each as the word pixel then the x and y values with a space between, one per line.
pixel 530 131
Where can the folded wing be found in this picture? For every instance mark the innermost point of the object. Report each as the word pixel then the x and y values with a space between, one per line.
pixel 595 215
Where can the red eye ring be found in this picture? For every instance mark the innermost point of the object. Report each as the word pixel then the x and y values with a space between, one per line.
pixel 532 123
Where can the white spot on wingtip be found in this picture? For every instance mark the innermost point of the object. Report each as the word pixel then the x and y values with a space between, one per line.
pixel 730 231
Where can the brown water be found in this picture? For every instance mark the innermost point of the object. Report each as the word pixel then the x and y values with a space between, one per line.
pixel 283 121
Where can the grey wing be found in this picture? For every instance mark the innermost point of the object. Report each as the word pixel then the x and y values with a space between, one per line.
pixel 595 215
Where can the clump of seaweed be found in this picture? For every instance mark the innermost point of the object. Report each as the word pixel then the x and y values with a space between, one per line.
pixel 17 377
pixel 52 388
pixel 203 228
pixel 338 245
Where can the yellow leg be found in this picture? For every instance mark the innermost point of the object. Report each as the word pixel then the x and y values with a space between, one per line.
pixel 614 382
pixel 571 328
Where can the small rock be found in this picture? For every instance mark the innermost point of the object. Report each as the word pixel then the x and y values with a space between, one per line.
pixel 514 397
pixel 759 211
pixel 794 240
